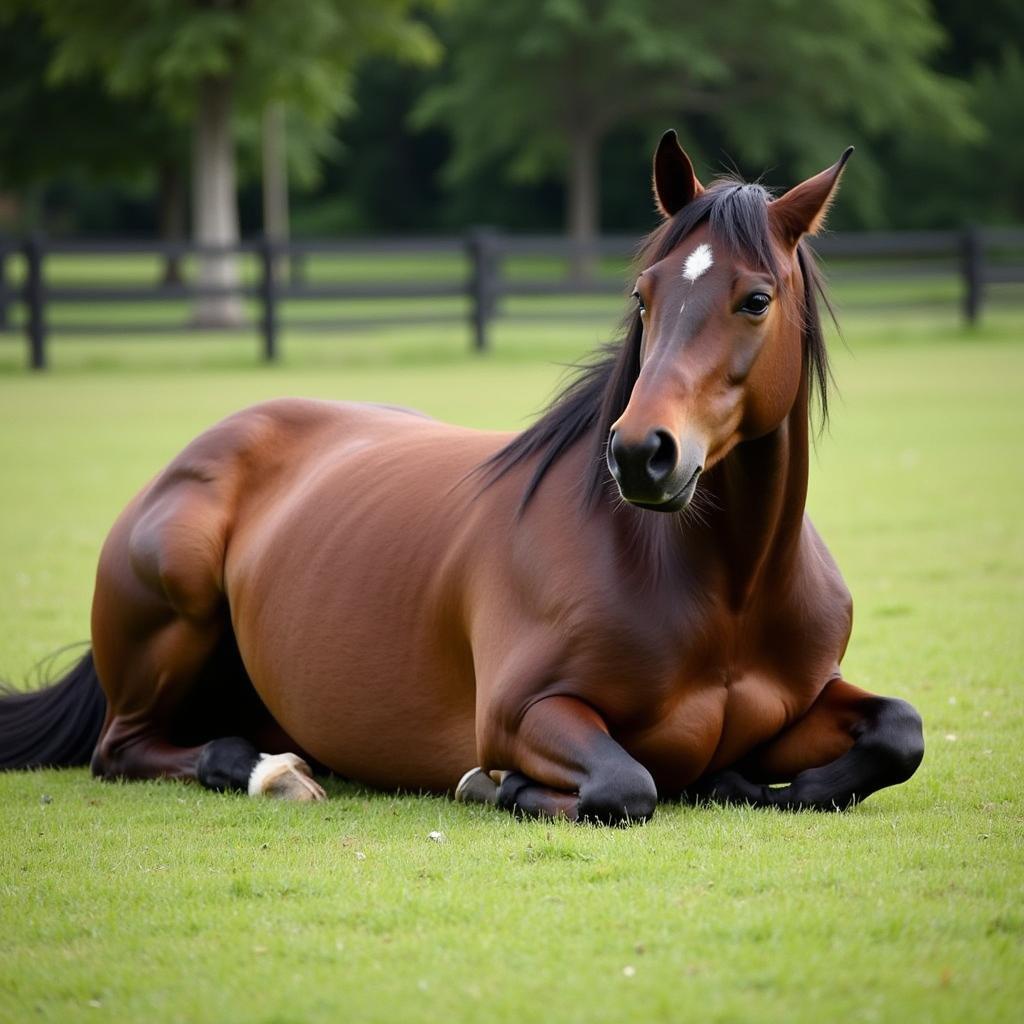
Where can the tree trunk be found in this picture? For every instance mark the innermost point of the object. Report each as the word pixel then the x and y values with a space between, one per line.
pixel 275 180
pixel 214 202
pixel 582 202
pixel 171 201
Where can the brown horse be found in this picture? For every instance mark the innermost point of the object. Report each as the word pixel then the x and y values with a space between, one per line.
pixel 622 603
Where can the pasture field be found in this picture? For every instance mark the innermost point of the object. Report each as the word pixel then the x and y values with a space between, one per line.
pixel 163 902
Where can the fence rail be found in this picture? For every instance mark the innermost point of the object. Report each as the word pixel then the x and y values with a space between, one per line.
pixel 482 273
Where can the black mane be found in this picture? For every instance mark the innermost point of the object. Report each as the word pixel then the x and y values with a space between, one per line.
pixel 737 215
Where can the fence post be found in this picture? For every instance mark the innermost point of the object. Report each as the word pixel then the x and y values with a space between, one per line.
pixel 268 293
pixel 482 246
pixel 35 298
pixel 4 284
pixel 972 256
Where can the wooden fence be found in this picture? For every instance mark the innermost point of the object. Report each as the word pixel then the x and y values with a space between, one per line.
pixel 970 262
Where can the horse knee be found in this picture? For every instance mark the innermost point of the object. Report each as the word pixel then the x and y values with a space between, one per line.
pixel 621 798
pixel 895 737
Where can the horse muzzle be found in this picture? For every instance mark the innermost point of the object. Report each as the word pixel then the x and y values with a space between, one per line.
pixel 656 472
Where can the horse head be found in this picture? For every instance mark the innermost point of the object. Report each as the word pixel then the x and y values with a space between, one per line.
pixel 723 326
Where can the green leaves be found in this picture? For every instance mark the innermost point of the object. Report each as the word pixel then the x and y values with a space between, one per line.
pixel 302 52
pixel 780 79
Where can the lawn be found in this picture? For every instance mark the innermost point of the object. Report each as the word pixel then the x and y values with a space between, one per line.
pixel 162 902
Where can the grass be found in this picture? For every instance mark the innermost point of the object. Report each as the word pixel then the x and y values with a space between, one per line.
pixel 165 903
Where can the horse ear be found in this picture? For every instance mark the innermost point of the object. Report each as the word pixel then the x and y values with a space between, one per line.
pixel 801 211
pixel 675 184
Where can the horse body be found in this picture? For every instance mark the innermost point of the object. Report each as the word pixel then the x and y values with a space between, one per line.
pixel 402 601
pixel 410 633
pixel 270 526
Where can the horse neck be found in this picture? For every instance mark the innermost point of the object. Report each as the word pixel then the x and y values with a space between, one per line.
pixel 744 525
pixel 755 503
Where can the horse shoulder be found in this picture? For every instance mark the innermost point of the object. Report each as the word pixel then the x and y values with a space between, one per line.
pixel 831 603
pixel 554 617
pixel 804 624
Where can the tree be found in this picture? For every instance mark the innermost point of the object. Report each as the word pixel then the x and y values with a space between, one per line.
pixel 206 61
pixel 980 181
pixel 541 83
pixel 87 133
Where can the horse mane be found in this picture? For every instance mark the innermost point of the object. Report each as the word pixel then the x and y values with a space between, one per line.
pixel 596 395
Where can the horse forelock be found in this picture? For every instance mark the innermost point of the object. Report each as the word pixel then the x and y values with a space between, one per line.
pixel 736 214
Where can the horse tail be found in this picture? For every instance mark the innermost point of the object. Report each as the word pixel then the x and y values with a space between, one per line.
pixel 54 727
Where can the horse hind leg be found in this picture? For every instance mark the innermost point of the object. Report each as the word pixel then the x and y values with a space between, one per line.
pixel 224 764
pixel 232 762
pixel 160 621
pixel 139 741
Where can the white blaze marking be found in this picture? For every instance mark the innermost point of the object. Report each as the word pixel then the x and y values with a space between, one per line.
pixel 698 262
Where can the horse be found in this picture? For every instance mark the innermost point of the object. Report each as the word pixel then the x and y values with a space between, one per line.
pixel 622 604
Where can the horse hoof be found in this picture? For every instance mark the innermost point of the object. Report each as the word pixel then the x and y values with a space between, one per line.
pixel 284 777
pixel 476 787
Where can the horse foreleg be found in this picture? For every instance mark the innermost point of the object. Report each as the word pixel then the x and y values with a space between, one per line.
pixel 850 744
pixel 564 764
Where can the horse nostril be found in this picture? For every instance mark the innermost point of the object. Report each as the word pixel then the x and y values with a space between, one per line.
pixel 614 452
pixel 643 467
pixel 664 455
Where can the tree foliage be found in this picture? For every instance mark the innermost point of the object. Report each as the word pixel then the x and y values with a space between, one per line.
pixel 302 52
pixel 74 127
pixel 932 94
pixel 980 179
pixel 782 79
pixel 156 55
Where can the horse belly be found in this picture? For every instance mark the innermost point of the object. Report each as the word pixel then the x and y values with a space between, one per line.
pixel 374 709
pixel 366 697
pixel 341 602
pixel 372 729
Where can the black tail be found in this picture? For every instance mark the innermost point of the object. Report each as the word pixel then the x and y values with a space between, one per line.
pixel 54 727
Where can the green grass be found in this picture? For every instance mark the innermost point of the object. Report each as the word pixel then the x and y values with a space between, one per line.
pixel 163 902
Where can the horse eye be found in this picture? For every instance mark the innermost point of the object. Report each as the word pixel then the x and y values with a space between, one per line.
pixel 756 304
pixel 640 302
